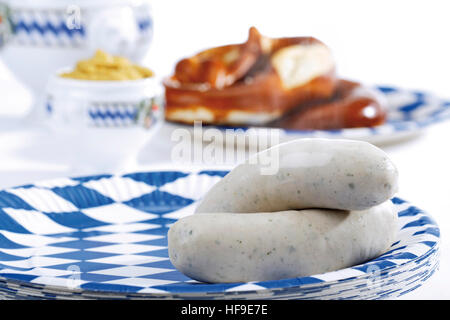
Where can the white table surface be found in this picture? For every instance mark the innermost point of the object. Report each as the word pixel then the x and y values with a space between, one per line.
pixel 399 56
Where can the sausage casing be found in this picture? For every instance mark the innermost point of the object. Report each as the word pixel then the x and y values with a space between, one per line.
pixel 236 247
pixel 308 173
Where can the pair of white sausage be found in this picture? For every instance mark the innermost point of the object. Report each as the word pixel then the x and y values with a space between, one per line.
pixel 246 228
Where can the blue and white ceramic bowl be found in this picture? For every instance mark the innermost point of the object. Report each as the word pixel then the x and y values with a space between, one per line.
pixel 51 34
pixel 84 103
pixel 107 122
pixel 104 236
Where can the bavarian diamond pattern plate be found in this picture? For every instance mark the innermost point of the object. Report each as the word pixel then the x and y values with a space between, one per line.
pixel 409 111
pixel 104 236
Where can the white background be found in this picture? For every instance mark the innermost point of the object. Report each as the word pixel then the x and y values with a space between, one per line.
pixel 402 43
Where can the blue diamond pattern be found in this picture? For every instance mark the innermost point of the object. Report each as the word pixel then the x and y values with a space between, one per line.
pixel 74 220
pixel 9 224
pixel 92 178
pixel 9 200
pixel 159 202
pixel 6 243
pixel 156 179
pixel 82 197
pixel 80 244
pixel 86 266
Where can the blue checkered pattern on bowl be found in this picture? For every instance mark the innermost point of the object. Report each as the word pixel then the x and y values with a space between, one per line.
pixel 409 111
pixel 51 28
pixel 104 236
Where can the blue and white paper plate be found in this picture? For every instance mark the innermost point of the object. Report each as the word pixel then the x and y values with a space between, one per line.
pixel 104 236
pixel 409 112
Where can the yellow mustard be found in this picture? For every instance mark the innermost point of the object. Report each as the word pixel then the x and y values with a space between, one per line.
pixel 106 67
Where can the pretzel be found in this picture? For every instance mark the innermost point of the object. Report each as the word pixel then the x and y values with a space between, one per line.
pixel 251 83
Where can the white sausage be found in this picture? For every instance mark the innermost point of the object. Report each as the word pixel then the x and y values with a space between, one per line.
pixel 231 247
pixel 313 173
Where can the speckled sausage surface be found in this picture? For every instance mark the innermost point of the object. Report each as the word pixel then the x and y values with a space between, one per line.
pixel 312 173
pixel 231 247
